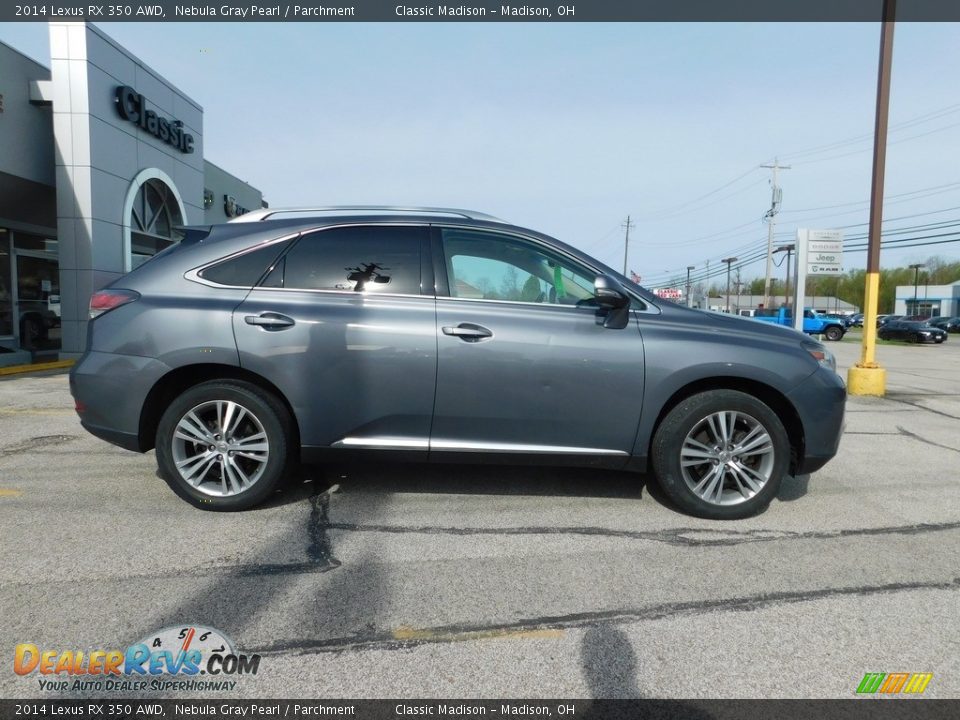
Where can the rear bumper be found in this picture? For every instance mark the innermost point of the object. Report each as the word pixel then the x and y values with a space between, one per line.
pixel 820 401
pixel 128 441
pixel 110 391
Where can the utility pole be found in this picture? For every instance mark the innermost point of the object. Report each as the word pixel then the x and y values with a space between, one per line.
pixel 689 299
pixel 626 243
pixel 770 217
pixel 867 377
pixel 728 261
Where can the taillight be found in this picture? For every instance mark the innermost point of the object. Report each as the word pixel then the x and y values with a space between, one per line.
pixel 104 300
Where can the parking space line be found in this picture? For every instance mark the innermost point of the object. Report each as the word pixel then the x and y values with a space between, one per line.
pixel 10 492
pixel 35 411
pixel 406 633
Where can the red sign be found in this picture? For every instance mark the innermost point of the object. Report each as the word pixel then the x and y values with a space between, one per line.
pixel 668 293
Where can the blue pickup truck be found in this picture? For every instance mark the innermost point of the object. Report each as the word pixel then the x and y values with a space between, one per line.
pixel 813 323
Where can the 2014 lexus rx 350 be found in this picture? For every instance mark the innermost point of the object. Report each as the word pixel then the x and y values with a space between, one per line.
pixel 440 335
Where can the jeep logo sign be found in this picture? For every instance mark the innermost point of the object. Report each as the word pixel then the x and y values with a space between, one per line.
pixel 133 107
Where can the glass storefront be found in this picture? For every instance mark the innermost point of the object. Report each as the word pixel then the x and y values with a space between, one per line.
pixel 29 292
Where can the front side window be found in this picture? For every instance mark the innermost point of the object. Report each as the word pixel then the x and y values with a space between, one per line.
pixel 373 259
pixel 492 266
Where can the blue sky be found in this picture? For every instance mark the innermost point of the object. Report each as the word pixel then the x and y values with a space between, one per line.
pixel 568 128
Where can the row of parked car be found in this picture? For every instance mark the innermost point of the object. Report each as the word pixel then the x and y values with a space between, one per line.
pixel 912 328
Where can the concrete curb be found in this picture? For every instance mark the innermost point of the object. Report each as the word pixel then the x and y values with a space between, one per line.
pixel 36 367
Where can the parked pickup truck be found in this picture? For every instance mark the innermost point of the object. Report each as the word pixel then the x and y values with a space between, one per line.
pixel 813 323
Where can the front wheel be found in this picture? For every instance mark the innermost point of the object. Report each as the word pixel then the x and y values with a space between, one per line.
pixel 721 454
pixel 224 445
pixel 833 333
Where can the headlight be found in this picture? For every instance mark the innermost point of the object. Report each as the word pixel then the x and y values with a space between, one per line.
pixel 820 354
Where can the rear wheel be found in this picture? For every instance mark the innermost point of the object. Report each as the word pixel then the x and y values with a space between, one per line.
pixel 224 445
pixel 721 454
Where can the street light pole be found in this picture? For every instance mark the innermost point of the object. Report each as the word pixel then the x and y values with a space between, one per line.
pixel 689 268
pixel 728 261
pixel 788 249
pixel 916 275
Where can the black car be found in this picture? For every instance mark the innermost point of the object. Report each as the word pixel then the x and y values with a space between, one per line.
pixel 882 321
pixel 950 324
pixel 918 332
pixel 856 320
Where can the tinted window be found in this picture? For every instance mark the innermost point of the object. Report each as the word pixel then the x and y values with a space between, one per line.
pixel 246 269
pixel 491 266
pixel 360 259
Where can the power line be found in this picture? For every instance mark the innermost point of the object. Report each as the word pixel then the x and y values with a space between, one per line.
pixel 897 127
pixel 672 209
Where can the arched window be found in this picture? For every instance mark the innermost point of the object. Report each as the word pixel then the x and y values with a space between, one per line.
pixel 153 217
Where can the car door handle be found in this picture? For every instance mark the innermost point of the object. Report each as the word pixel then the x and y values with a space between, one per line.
pixel 270 320
pixel 468 332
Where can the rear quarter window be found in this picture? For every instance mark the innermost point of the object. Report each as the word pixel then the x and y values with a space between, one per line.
pixel 246 269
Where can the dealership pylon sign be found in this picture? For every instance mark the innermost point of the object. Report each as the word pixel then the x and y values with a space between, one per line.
pixel 819 253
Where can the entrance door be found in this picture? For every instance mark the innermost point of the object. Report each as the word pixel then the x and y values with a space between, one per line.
pixel 38 301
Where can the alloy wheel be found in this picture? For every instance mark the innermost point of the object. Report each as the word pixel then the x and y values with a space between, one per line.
pixel 220 448
pixel 727 458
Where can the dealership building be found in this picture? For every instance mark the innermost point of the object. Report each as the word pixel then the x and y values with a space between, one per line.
pixel 101 160
pixel 928 300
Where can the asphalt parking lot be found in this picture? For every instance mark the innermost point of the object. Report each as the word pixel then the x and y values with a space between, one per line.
pixel 429 581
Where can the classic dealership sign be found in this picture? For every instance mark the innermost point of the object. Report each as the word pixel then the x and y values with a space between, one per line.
pixel 132 106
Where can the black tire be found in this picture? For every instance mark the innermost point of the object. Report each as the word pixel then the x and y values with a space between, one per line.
pixel 682 419
pixel 277 426
pixel 833 332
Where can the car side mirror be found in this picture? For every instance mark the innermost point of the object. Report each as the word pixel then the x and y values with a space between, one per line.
pixel 609 293
pixel 613 301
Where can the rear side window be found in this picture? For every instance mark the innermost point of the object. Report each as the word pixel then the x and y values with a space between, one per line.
pixel 245 270
pixel 375 259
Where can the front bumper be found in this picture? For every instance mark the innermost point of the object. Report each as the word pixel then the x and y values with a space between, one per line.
pixel 820 401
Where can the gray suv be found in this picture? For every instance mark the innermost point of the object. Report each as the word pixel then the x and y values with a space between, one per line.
pixel 439 335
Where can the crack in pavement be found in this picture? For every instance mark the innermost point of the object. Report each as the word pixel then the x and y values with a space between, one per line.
pixel 914 436
pixel 37 442
pixel 319 559
pixel 923 407
pixel 686 537
pixel 380 640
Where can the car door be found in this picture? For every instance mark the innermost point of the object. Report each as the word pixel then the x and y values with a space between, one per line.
pixel 340 326
pixel 525 364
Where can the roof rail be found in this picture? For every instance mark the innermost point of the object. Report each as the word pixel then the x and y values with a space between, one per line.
pixel 268 213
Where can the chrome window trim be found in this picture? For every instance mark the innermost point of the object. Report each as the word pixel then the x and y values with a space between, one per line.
pixel 194 274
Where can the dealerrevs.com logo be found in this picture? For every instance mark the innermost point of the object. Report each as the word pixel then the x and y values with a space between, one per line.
pixel 192 658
